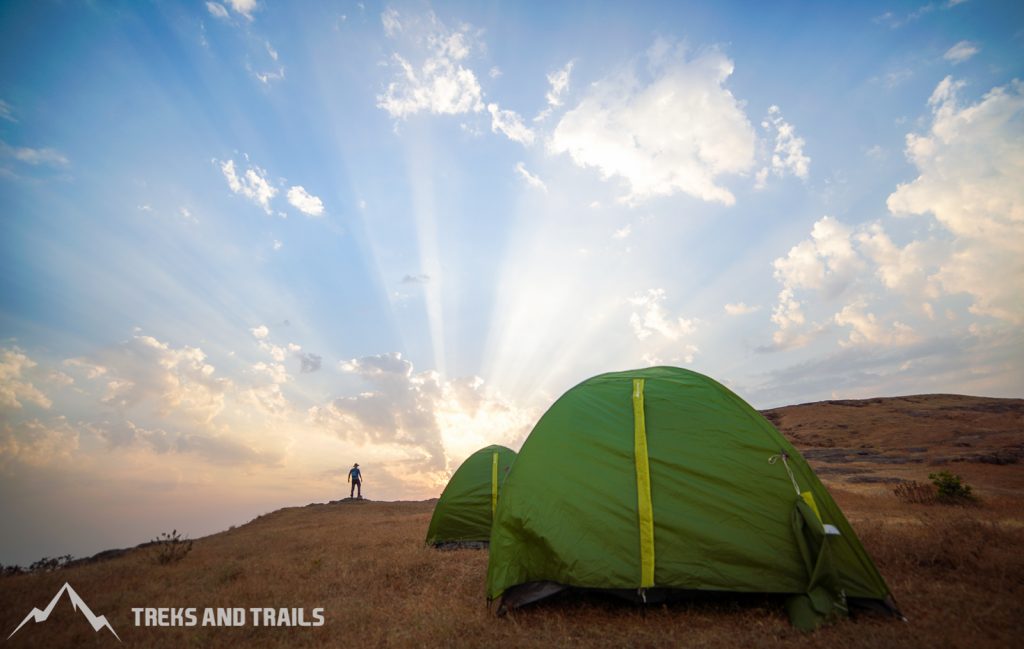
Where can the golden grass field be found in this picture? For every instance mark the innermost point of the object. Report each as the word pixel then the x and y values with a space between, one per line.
pixel 957 572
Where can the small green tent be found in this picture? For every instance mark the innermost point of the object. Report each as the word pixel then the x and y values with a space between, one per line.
pixel 465 509
pixel 658 481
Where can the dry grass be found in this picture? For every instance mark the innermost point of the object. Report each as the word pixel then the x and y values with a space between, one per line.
pixel 915 492
pixel 958 574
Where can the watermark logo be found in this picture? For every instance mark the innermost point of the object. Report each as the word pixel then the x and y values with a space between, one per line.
pixel 37 616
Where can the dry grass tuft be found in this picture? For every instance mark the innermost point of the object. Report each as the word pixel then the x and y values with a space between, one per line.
pixel 915 492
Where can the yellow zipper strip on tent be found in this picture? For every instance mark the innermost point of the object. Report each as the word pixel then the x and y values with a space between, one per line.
pixel 494 482
pixel 643 487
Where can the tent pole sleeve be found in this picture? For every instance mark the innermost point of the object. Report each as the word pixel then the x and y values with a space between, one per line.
pixel 643 487
pixel 494 483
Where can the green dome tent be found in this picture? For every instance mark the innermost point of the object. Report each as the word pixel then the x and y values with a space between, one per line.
pixel 465 509
pixel 655 481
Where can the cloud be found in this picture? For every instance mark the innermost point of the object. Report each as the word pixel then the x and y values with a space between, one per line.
pixel 969 166
pixel 432 77
pixel 252 184
pixel 894 21
pixel 266 78
pixel 858 371
pixel 260 332
pixel 829 263
pixel 678 132
pixel 305 202
pixel 826 262
pixel 789 320
pixel 531 180
pixel 623 232
pixel 866 330
pixel 971 242
pixel 558 84
pixel 37 443
pixel 511 124
pixel 391 21
pixel 739 308
pixel 16 389
pixel 435 419
pixel 961 52
pixel 243 7
pixel 398 408
pixel 217 10
pixel 908 269
pixel 35 157
pixel 420 278
pixel 144 374
pixel 309 362
pixel 7 112
pixel 214 448
pixel 168 399
pixel 276 372
pixel 277 245
pixel 788 155
pixel 650 317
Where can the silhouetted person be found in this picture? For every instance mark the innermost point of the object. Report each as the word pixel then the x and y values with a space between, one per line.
pixel 356 478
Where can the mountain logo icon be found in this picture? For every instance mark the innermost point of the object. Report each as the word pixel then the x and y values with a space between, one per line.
pixel 97 621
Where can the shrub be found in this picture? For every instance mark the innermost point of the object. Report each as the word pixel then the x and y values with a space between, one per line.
pixel 171 548
pixel 951 487
pixel 7 571
pixel 915 492
pixel 48 564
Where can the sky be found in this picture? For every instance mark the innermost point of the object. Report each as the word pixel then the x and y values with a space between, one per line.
pixel 246 244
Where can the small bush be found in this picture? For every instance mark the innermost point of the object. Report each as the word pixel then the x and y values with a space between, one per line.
pixel 49 564
pixel 171 548
pixel 915 492
pixel 7 571
pixel 951 487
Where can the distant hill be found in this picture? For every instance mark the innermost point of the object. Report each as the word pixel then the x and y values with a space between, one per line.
pixel 884 440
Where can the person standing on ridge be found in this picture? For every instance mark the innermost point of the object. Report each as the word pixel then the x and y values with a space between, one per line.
pixel 356 478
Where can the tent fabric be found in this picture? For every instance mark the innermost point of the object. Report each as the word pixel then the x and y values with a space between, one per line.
pixel 725 510
pixel 464 511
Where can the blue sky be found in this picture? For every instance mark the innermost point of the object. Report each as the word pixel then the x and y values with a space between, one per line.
pixel 246 244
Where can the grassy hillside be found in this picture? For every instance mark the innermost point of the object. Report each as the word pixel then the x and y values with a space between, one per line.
pixel 957 571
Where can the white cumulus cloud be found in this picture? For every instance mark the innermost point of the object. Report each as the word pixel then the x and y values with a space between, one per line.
pixel 305 202
pixel 826 262
pixel 788 153
pixel 252 184
pixel 970 163
pixel 865 329
pixel 679 131
pixel 16 387
pixel 650 317
pixel 431 76
pixel 244 7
